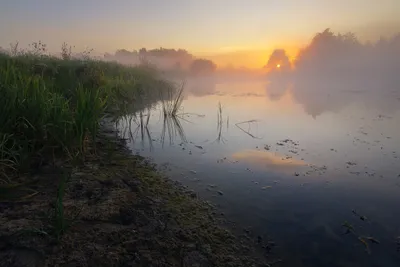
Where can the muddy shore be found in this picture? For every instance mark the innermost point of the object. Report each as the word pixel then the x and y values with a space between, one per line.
pixel 117 210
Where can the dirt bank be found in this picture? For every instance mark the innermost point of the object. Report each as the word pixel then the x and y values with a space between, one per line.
pixel 116 210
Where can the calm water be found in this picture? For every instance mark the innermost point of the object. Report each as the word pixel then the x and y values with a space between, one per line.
pixel 291 164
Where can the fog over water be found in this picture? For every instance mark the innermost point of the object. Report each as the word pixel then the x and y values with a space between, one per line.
pixel 297 151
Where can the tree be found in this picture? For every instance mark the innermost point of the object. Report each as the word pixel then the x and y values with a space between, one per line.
pixel 278 60
pixel 202 66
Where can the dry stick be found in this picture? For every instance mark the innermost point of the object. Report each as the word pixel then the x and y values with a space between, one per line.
pixel 247 132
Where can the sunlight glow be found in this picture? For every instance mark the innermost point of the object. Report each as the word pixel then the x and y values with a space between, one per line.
pixel 278 66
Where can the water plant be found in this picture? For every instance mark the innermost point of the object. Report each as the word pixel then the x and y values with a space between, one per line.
pixel 51 108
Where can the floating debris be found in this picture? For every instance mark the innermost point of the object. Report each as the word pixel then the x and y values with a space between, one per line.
pixel 384 116
pixel 267 147
pixel 280 144
pixel 362 218
pixel 220 193
pixel 351 163
pixel 192 171
pixel 199 147
pixel 372 240
pixel 349 227
pixel 266 187
pixel 362 240
pixel 289 141
pixel 296 174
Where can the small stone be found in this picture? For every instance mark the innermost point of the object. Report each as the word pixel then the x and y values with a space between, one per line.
pixel 220 193
pixel 192 194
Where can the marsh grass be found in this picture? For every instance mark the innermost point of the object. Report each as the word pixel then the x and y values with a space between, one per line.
pixel 220 123
pixel 172 102
pixel 51 108
pixel 172 128
pixel 62 221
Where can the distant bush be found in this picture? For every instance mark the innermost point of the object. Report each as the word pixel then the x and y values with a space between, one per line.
pixel 202 66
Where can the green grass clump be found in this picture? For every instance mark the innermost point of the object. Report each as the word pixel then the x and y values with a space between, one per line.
pixel 51 108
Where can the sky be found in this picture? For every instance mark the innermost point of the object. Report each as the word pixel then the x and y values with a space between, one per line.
pixel 239 32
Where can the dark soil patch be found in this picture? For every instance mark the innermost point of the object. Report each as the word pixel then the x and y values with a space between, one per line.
pixel 119 212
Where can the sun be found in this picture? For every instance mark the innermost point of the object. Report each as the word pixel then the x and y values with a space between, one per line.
pixel 278 66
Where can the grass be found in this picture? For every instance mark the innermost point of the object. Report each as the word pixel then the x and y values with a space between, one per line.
pixel 172 101
pixel 51 108
pixel 60 223
pixel 220 123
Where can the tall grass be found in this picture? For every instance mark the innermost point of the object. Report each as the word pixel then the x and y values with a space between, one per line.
pixel 171 103
pixel 52 108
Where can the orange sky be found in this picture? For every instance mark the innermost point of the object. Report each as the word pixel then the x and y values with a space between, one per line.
pixel 241 33
pixel 252 59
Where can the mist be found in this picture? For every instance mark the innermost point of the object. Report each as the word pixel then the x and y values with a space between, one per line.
pixel 336 70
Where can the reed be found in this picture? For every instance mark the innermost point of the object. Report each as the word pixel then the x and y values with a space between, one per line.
pixel 52 108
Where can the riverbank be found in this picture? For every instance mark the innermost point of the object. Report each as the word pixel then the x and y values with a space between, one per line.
pixel 71 194
pixel 117 211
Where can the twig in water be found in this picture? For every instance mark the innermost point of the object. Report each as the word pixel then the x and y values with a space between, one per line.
pixel 247 131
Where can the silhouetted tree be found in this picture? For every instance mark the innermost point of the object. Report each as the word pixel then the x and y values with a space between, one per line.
pixel 278 60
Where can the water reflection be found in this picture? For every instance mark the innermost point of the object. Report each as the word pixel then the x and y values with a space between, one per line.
pixel 271 161
pixel 172 128
pixel 317 170
pixel 318 96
